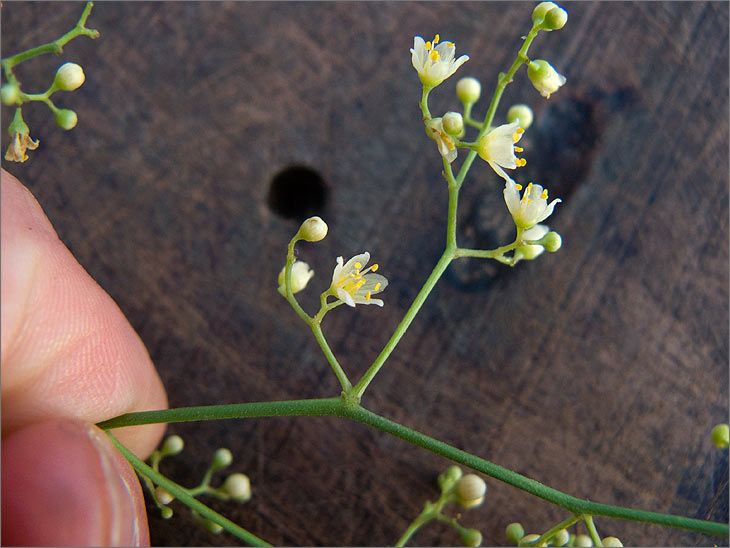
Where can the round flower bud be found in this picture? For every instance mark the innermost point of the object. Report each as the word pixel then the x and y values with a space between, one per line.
pixel 453 123
pixel 522 114
pixel 69 77
pixel 238 486
pixel 583 541
pixel 611 541
pixel 514 532
pixel 527 539
pixel 555 19
pixel 66 119
pixel 538 14
pixel 313 229
pixel 471 538
pixel 9 94
pixel 721 436
pixel 300 276
pixel 544 77
pixel 561 538
pixel 468 90
pixel 551 241
pixel 212 526
pixel 470 490
pixel 449 477
pixel 221 458
pixel 173 445
pixel 163 496
pixel 166 512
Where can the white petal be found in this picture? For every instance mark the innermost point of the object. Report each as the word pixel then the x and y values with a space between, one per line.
pixel 371 280
pixel 363 259
pixel 345 297
pixel 535 233
pixel 511 196
pixel 338 271
pixel 548 210
pixel 499 171
pixel 451 156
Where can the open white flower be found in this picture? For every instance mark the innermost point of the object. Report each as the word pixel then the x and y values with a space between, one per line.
pixel 352 283
pixel 300 276
pixel 435 62
pixel 498 148
pixel 532 208
pixel 444 141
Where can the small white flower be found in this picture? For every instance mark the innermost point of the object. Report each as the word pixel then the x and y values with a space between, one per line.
pixel 544 77
pixel 532 208
pixel 300 276
pixel 498 148
pixel 444 141
pixel 530 252
pixel 435 62
pixel 69 77
pixel 352 283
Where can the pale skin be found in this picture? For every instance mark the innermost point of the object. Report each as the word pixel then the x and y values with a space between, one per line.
pixel 68 359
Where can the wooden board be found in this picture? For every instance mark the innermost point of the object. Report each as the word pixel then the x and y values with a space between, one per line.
pixel 599 370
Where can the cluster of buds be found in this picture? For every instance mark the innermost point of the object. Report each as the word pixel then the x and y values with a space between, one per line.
pixel 69 77
pixel 467 491
pixel 516 536
pixel 236 486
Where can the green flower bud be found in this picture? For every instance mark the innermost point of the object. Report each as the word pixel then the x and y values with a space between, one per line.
pixel 212 526
pixel 470 490
pixel 544 77
pixel 471 538
pixel 514 532
pixel 453 123
pixel 551 241
pixel 468 90
pixel 238 486
pixel 721 436
pixel 69 77
pixel 583 541
pixel 163 496
pixel 522 114
pixel 561 538
pixel 313 229
pixel 173 445
pixel 612 542
pixel 221 458
pixel 66 119
pixel 9 94
pixel 527 539
pixel 166 512
pixel 449 477
pixel 538 14
pixel 555 19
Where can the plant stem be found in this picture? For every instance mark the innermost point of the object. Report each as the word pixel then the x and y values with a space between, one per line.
pixel 337 407
pixel 327 351
pixel 550 533
pixel 595 537
pixel 183 496
pixel 423 518
pixel 289 294
pixel 504 80
pixel 51 47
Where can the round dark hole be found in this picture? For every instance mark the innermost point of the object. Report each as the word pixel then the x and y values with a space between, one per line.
pixel 297 192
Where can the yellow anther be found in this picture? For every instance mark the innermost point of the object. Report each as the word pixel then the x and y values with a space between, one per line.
pixel 358 265
pixel 367 296
pixel 519 131
pixel 519 149
pixel 428 46
pixel 544 194
pixel 375 267
pixel 434 55
pixel 518 186
pixel 436 39
pixel 521 162
pixel 359 284
pixel 377 286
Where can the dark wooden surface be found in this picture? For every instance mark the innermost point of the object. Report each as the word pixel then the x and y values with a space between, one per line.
pixel 599 370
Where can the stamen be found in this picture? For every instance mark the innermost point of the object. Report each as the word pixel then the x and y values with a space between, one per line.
pixel 518 186
pixel 375 267
pixel 434 55
pixel 377 286
pixel 519 131
pixel 544 194
pixel 367 296
pixel 359 284
pixel 428 46
pixel 521 162
pixel 436 39
pixel 358 265
pixel 519 149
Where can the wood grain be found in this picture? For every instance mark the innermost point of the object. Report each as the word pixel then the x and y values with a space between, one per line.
pixel 599 370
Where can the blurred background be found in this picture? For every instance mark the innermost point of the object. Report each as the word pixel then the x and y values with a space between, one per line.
pixel 208 131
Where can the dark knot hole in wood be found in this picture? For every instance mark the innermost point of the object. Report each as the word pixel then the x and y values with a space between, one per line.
pixel 297 192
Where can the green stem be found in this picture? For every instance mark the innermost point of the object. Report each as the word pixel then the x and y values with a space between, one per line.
pixel 550 533
pixel 289 294
pixel 595 537
pixel 337 407
pixel 426 516
pixel 327 351
pixel 183 496
pixel 504 80
pixel 424 104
